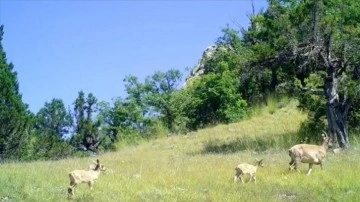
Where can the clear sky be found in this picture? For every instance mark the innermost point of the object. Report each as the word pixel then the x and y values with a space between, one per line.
pixel 60 47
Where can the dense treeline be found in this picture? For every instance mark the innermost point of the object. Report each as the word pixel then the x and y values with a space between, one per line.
pixel 307 50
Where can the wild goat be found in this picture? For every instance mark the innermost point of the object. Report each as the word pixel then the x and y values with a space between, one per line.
pixel 84 176
pixel 92 166
pixel 308 153
pixel 244 168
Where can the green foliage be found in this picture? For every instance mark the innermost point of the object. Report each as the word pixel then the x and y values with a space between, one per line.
pixel 296 46
pixel 180 101
pixel 53 119
pixel 311 130
pixel 215 99
pixel 121 121
pixel 14 117
pixel 354 118
pixel 162 88
pixel 87 135
pixel 135 106
pixel 313 102
pixel 151 109
pixel 52 126
pixel 49 148
pixel 277 56
pixel 131 119
pixel 268 71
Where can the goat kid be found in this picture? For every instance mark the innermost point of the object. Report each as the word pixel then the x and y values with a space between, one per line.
pixel 245 168
pixel 308 153
pixel 84 176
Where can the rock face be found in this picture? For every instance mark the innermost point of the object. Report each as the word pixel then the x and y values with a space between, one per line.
pixel 200 68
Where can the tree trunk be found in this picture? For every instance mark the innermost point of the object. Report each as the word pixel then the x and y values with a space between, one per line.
pixel 336 113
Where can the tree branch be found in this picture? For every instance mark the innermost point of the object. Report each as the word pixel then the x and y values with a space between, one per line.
pixel 314 91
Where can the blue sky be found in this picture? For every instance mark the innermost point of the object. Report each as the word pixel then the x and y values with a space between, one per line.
pixel 61 47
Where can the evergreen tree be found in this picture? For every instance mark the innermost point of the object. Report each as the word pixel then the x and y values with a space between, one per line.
pixel 52 125
pixel 87 136
pixel 14 117
pixel 54 118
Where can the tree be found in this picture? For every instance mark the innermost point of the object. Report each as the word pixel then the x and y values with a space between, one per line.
pixel 52 124
pixel 333 49
pixel 268 69
pixel 313 38
pixel 214 99
pixel 215 96
pixel 14 117
pixel 123 121
pixel 54 119
pixel 162 87
pixel 326 43
pixel 86 135
pixel 134 105
pixel 137 115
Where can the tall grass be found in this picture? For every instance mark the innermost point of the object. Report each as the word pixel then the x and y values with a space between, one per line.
pixel 196 167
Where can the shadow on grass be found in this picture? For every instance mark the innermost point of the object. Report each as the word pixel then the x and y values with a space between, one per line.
pixel 258 144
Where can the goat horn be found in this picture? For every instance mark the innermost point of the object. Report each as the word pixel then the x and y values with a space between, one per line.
pixel 325 133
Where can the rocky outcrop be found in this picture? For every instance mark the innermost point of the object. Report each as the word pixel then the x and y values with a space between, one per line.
pixel 201 68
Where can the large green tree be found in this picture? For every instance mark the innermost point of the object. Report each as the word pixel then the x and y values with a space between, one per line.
pixel 162 88
pixel 87 135
pixel 54 119
pixel 14 117
pixel 147 107
pixel 123 121
pixel 215 97
pixel 315 44
pixel 135 104
pixel 331 50
pixel 52 128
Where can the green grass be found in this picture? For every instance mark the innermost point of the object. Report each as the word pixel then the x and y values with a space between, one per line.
pixel 196 167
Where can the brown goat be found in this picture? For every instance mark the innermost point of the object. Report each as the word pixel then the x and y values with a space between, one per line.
pixel 308 153
pixel 245 168
pixel 84 176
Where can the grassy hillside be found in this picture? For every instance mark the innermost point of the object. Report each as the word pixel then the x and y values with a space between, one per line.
pixel 196 167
